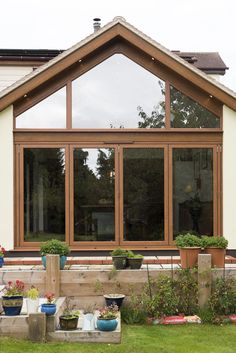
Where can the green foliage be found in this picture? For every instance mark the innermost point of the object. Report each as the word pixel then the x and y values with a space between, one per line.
pixel 188 240
pixel 131 255
pixel 32 293
pixel 164 296
pixel 119 252
pixel 160 299
pixel 186 290
pixel 55 247
pixel 223 297
pixel 217 242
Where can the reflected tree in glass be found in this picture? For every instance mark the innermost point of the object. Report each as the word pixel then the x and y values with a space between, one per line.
pixel 186 113
pixel 193 190
pixel 94 187
pixel 143 194
pixel 44 194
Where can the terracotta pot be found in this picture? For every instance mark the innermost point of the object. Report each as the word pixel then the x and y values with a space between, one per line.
pixel 217 256
pixel 189 256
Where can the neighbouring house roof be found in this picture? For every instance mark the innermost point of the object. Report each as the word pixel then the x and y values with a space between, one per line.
pixel 207 62
pixel 117 28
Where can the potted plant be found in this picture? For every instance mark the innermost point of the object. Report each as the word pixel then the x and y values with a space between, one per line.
pixel 88 318
pixel 107 319
pixel 119 258
pixel 134 260
pixel 114 299
pixel 216 246
pixel 69 319
pixel 189 247
pixel 2 253
pixel 55 247
pixel 49 308
pixel 32 300
pixel 12 299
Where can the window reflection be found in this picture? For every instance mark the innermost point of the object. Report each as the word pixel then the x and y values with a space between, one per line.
pixel 143 194
pixel 49 113
pixel 193 190
pixel 94 188
pixel 118 93
pixel 186 113
pixel 44 194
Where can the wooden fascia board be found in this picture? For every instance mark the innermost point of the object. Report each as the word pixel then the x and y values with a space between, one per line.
pixel 57 68
pixel 132 37
pixel 176 66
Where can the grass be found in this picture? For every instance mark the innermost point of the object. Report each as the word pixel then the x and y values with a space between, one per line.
pixel 143 339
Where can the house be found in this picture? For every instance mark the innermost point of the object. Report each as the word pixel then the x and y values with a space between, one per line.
pixel 116 141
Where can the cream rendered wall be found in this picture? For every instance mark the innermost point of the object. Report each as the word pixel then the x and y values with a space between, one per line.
pixel 6 179
pixel 229 176
pixel 11 74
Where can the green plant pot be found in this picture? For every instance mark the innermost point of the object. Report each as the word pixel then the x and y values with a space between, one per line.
pixel 119 262
pixel 68 324
pixel 135 263
pixel 63 259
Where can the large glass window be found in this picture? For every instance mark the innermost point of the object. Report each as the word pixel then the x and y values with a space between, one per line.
pixel 118 93
pixel 143 194
pixel 44 194
pixel 94 194
pixel 193 190
pixel 49 113
pixel 186 113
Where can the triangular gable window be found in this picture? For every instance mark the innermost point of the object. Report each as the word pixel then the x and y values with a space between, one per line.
pixel 49 113
pixel 186 113
pixel 118 93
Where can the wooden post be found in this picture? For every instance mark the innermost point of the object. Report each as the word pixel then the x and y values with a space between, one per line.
pixel 37 327
pixel 204 279
pixel 53 274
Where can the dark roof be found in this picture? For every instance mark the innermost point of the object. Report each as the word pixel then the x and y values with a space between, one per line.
pixel 210 62
pixel 28 54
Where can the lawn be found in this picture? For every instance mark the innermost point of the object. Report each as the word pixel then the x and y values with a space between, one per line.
pixel 143 339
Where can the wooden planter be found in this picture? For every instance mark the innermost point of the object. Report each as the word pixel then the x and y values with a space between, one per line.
pixel 189 256
pixel 217 256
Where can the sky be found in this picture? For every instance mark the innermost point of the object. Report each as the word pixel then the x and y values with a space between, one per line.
pixel 186 25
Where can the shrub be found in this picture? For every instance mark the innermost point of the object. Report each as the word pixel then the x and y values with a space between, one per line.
pixel 186 290
pixel 55 247
pixel 188 240
pixel 119 252
pixel 223 297
pixel 159 297
pixel 217 242
pixel 32 293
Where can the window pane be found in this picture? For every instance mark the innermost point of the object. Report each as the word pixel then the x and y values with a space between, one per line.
pixel 118 93
pixel 143 194
pixel 49 113
pixel 186 113
pixel 44 194
pixel 94 187
pixel 193 190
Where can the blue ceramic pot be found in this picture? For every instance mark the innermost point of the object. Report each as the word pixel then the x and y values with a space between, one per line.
pixel 1 261
pixel 63 259
pixel 107 325
pixel 12 305
pixel 48 309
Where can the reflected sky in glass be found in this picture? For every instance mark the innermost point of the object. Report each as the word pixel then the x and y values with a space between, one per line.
pixel 49 113
pixel 108 96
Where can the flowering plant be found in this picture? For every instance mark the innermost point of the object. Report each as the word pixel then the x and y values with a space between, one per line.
pixel 2 251
pixel 12 288
pixel 50 297
pixel 108 312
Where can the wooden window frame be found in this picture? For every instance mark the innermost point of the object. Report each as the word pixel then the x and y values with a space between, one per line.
pixel 69 138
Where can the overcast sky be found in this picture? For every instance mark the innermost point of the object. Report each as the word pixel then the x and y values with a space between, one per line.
pixel 202 25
